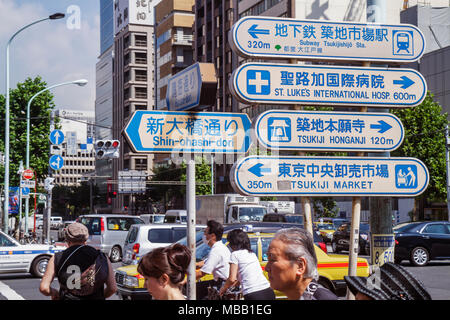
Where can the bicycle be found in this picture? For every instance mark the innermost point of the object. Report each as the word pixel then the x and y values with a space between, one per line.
pixel 28 238
pixel 213 294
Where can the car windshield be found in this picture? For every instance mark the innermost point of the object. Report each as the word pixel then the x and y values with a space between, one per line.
pixel 198 237
pixel 251 214
pixel 294 219
pixel 411 227
pixel 325 226
pixel 158 219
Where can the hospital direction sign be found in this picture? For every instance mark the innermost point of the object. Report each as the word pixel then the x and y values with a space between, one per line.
pixel 328 131
pixel 325 85
pixel 182 131
pixel 268 37
pixel 329 176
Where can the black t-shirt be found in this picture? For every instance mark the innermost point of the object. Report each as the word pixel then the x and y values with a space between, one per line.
pixel 81 256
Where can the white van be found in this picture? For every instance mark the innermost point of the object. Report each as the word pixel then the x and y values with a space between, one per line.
pixel 56 222
pixel 175 216
pixel 152 218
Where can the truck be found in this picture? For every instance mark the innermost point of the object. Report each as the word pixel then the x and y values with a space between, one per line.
pixel 287 207
pixel 228 208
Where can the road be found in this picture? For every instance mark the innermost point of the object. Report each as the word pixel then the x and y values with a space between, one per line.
pixel 434 277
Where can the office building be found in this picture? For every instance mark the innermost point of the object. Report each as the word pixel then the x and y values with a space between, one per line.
pixel 133 86
pixel 77 149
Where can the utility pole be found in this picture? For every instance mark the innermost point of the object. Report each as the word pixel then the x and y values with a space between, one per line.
pixel 380 208
pixel 447 153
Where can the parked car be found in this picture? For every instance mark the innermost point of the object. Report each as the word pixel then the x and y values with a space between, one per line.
pixel 56 222
pixel 61 235
pixel 143 238
pixel 175 216
pixel 332 268
pixel 152 218
pixel 421 242
pixel 341 238
pixel 107 232
pixel 283 217
pixel 27 258
pixel 325 230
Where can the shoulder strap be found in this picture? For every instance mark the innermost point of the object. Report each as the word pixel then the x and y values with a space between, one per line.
pixel 68 258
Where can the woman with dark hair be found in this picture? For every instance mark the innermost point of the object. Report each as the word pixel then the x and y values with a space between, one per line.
pixel 164 270
pixel 245 269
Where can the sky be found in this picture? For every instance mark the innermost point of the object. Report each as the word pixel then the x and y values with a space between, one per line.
pixel 57 50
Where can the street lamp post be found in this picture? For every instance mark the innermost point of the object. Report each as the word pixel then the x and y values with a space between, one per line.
pixel 79 82
pixel 6 184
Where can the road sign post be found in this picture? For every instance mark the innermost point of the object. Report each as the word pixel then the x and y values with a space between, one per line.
pixel 328 131
pixel 271 37
pixel 328 85
pixel 188 132
pixel 329 176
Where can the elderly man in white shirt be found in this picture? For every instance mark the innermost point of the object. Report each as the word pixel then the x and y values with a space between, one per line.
pixel 218 261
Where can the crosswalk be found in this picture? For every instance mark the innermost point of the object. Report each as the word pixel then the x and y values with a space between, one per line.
pixel 9 293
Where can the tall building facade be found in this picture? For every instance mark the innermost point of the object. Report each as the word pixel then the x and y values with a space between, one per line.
pixel 174 20
pixel 77 149
pixel 104 97
pixel 133 87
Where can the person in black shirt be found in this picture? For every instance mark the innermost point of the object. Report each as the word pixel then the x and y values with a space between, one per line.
pixel 292 266
pixel 72 263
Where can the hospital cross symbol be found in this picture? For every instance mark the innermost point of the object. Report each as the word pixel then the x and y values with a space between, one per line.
pixel 258 82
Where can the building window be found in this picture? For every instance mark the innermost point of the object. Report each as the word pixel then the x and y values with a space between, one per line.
pixel 140 58
pixel 140 93
pixel 140 164
pixel 140 40
pixel 140 75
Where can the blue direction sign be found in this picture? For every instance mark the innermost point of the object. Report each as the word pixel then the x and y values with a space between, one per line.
pixel 269 37
pixel 325 85
pixel 184 88
pixel 56 162
pixel 329 176
pixel 329 131
pixel 183 131
pixel 56 137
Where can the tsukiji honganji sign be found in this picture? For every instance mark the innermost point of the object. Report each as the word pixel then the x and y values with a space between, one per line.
pixel 268 37
pixel 327 85
pixel 329 176
pixel 328 131
pixel 183 131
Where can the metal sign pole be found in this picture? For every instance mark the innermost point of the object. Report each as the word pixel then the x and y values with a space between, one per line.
pixel 190 193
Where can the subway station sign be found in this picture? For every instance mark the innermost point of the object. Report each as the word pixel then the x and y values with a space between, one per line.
pixel 182 131
pixel 327 85
pixel 328 131
pixel 329 176
pixel 268 37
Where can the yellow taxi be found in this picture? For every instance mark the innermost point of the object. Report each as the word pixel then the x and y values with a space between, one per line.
pixel 332 269
pixel 325 230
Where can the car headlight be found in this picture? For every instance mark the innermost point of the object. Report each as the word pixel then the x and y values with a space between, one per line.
pixel 131 281
pixel 364 236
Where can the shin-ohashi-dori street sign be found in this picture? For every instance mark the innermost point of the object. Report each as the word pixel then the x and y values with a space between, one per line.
pixel 329 176
pixel 183 131
pixel 267 37
pixel 328 131
pixel 328 85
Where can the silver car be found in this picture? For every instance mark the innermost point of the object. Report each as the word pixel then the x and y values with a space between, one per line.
pixel 24 258
pixel 107 232
pixel 146 237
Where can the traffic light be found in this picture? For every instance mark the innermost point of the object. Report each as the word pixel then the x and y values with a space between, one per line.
pixel 48 183
pixel 114 194
pixel 107 149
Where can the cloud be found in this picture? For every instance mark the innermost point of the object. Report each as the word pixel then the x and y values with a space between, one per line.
pixel 52 50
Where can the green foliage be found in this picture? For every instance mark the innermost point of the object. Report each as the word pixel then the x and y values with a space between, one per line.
pixel 73 201
pixel 325 207
pixel 202 174
pixel 39 128
pixel 425 140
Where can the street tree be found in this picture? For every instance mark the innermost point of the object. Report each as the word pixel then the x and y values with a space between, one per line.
pixel 425 140
pixel 40 111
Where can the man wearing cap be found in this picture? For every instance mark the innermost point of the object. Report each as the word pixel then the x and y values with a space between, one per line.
pixel 389 282
pixel 73 261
